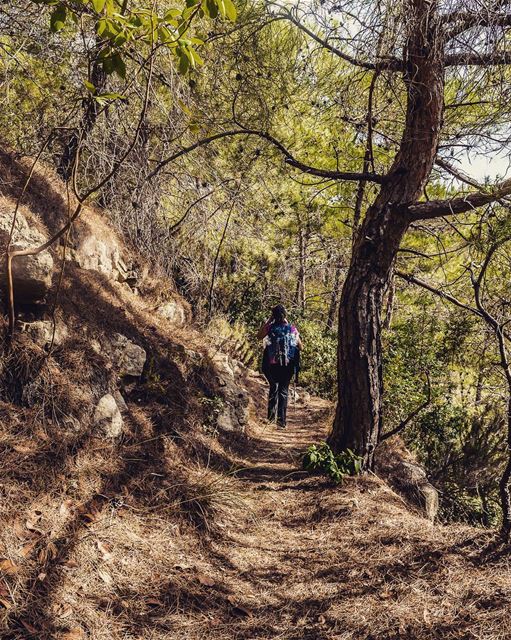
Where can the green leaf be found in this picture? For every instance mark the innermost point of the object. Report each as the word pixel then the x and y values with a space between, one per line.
pixel 98 5
pixel 210 8
pixel 184 62
pixel 119 66
pixel 58 18
pixel 172 13
pixel 230 10
pixel 90 87
pixel 197 60
pixel 120 39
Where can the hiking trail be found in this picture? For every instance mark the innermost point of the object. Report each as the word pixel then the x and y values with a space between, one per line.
pixel 316 562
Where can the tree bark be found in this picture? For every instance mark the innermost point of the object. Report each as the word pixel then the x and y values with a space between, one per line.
pixel 358 420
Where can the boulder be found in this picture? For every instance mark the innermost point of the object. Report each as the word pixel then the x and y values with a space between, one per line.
pixel 32 275
pixel 172 311
pixel 399 467
pixel 128 359
pixel 95 252
pixel 107 417
pixel 234 413
pixel 414 483
pixel 121 402
pixel 41 332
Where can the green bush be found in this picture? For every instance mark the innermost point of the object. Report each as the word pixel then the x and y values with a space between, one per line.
pixel 319 359
pixel 319 457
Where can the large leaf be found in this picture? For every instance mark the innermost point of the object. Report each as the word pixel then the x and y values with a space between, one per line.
pixel 98 5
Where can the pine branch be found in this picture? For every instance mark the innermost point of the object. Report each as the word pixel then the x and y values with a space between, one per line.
pixel 438 208
pixel 288 158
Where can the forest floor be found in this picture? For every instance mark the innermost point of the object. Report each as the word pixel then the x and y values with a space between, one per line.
pixel 320 562
pixel 285 555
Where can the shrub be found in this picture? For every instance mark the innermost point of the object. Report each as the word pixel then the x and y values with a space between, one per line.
pixel 319 457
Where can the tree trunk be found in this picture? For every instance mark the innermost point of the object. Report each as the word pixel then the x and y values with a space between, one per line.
pixel 358 420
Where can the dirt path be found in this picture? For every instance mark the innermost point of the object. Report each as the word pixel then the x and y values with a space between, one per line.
pixel 316 562
pixel 288 556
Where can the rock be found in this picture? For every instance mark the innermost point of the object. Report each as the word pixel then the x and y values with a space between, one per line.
pixel 413 480
pixel 41 332
pixel 223 367
pixel 172 311
pixel 126 356
pixel 107 417
pixel 32 275
pixel 305 396
pixel 193 356
pixel 234 414
pixel 120 401
pixel 97 254
pixel 398 466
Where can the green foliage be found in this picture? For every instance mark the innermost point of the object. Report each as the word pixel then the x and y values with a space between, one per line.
pixel 319 457
pixel 463 450
pixel 121 26
pixel 318 359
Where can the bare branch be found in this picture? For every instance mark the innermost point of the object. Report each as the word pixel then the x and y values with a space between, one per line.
pixel 459 21
pixel 389 64
pixel 438 208
pixel 289 159
pixel 438 292
pixel 471 58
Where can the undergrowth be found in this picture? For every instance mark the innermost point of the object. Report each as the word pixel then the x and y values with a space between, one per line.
pixel 320 457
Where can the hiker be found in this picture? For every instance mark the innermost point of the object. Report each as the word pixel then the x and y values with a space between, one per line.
pixel 281 358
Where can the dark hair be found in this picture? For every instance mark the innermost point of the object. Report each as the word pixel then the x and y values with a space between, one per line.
pixel 279 313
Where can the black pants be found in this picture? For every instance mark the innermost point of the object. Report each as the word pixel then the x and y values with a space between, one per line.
pixel 279 379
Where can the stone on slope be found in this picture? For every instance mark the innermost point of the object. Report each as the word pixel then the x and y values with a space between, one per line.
pixel 107 417
pixel 127 357
pixel 41 332
pixel 234 414
pixel 32 275
pixel 172 311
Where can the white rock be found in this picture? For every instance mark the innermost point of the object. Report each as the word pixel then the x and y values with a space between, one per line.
pixel 41 332
pixel 31 274
pixel 108 417
pixel 223 364
pixel 97 255
pixel 172 311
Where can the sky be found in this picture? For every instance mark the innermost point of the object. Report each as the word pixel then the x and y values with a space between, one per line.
pixel 480 165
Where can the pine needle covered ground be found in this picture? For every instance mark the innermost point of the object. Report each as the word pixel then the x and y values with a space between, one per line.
pixel 179 550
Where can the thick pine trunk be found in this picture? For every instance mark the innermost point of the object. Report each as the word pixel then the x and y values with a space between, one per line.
pixel 358 420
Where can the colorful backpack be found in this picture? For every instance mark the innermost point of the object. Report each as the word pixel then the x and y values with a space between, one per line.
pixel 282 347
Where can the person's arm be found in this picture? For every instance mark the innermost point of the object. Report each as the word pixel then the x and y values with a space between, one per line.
pixel 263 329
pixel 299 342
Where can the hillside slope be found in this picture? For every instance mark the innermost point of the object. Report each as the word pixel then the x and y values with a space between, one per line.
pixel 171 517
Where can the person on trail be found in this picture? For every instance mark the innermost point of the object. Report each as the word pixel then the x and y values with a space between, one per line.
pixel 281 360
